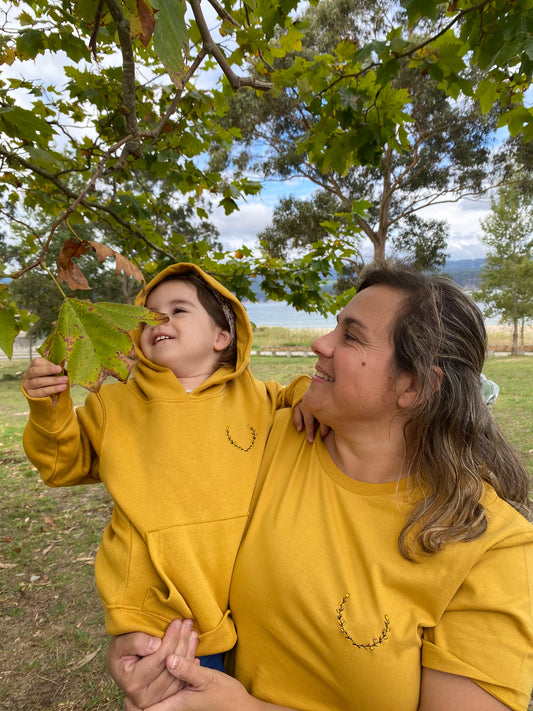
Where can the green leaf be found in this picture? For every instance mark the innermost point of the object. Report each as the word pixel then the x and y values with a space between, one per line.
pixel 515 119
pixel 8 331
pixel 487 94
pixel 420 8
pixel 74 48
pixel 170 33
pixel 30 43
pixel 229 205
pixel 386 71
pixel 21 123
pixel 94 341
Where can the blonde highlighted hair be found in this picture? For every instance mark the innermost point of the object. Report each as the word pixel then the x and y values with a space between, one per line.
pixel 453 442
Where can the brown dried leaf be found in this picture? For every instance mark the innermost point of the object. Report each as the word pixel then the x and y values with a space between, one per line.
pixel 145 14
pixel 123 264
pixel 88 658
pixel 67 270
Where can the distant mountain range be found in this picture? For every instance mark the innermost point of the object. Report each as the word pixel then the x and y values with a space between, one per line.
pixel 465 272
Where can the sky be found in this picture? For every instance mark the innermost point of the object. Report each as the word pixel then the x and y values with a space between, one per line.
pixel 256 212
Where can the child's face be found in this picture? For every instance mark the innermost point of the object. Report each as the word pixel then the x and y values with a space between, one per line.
pixel 190 342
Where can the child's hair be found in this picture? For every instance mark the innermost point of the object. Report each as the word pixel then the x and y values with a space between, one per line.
pixel 217 306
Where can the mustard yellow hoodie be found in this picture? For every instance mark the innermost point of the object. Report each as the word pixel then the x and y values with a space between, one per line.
pixel 180 468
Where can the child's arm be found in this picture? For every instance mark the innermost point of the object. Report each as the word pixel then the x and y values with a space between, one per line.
pixel 291 396
pixel 54 439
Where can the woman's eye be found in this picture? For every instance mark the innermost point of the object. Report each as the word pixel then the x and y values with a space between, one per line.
pixel 350 337
pixel 178 310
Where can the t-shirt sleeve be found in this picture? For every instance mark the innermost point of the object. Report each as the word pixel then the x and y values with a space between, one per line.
pixel 486 632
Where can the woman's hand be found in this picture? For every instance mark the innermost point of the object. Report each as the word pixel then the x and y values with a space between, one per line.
pixel 208 690
pixel 137 663
pixel 204 689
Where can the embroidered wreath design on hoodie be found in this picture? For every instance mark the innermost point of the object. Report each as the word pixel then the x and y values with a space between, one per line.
pixel 236 444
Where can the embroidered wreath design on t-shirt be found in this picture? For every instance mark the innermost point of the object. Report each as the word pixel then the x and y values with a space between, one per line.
pixel 360 645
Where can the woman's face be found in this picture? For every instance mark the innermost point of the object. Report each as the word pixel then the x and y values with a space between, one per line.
pixel 355 378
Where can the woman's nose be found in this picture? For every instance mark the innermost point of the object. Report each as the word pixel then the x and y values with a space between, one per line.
pixel 323 345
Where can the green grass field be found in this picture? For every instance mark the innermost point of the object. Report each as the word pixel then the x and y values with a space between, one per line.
pixel 51 625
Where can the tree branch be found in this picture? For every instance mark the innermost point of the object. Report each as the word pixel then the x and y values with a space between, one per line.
pixel 129 99
pixel 415 48
pixel 78 199
pixel 177 98
pixel 212 48
pixel 223 13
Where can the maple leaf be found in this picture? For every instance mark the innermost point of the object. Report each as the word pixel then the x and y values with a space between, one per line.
pixel 67 270
pixel 93 341
pixel 8 331
pixel 122 263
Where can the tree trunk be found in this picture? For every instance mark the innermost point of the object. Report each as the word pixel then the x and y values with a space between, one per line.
pixel 379 249
pixel 514 350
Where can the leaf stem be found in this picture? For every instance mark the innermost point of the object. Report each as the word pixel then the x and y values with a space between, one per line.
pixel 43 266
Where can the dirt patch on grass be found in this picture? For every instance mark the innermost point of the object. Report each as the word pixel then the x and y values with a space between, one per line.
pixel 51 622
pixel 41 652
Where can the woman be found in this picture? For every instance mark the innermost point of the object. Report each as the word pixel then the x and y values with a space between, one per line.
pixel 386 566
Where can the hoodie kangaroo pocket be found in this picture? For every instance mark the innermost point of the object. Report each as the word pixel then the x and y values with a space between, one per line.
pixel 194 563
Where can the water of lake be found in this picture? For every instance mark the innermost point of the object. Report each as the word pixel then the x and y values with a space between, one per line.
pixel 277 313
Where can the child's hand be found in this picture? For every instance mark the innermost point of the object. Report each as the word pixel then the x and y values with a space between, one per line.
pixel 303 419
pixel 44 378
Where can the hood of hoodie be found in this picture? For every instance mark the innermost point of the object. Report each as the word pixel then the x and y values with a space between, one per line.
pixel 243 328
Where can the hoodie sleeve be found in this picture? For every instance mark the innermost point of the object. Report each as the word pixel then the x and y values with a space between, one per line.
pixel 289 395
pixel 58 444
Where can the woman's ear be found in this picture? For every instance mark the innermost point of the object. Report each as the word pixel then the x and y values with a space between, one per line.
pixel 409 391
pixel 438 377
pixel 222 340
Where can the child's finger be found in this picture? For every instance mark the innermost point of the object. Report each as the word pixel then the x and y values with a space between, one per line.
pixel 187 640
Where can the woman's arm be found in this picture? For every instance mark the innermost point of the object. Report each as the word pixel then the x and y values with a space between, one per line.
pixel 441 692
pixel 207 690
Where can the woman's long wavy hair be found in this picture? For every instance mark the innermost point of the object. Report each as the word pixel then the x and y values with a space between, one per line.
pixel 453 442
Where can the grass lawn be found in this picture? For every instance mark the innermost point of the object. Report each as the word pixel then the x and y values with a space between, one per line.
pixel 51 624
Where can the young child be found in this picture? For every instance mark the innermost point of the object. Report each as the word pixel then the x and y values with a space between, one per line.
pixel 178 446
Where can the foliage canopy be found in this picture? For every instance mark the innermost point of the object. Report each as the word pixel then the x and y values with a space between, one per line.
pixel 106 154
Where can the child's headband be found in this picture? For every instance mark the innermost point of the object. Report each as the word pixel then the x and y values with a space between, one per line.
pixel 221 301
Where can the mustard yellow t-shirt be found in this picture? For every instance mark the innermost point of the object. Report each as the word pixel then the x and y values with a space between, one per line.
pixel 331 617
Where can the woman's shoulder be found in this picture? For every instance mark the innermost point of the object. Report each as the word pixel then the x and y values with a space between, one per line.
pixel 504 523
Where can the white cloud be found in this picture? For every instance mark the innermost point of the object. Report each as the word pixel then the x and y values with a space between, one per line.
pixel 465 229
pixel 464 217
pixel 243 226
